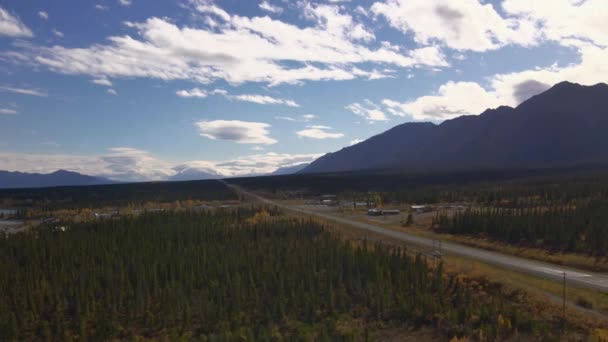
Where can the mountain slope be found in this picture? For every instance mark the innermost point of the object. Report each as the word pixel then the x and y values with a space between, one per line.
pixel 287 170
pixel 565 125
pixel 38 180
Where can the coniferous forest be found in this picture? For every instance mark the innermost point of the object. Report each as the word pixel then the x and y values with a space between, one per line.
pixel 240 274
pixel 580 227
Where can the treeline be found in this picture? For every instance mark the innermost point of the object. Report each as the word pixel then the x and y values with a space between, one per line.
pixel 73 197
pixel 231 275
pixel 579 228
pixel 500 188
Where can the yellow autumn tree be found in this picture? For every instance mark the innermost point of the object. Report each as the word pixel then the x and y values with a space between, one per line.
pixel 259 217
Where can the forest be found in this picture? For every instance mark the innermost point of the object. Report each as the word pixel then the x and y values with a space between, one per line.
pixel 238 274
pixel 75 197
pixel 580 227
pixel 520 188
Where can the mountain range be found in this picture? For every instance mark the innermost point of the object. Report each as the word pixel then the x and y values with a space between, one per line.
pixel 566 125
pixel 68 178
pixel 38 180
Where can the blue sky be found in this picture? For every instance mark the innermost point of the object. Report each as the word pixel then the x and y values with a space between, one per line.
pixel 142 90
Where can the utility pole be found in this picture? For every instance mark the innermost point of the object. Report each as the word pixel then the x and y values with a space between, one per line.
pixel 564 302
pixel 436 250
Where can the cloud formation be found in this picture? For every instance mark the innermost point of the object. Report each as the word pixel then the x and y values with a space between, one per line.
pixel 239 49
pixel 453 99
pixel 12 26
pixel 253 98
pixel 576 25
pixel 43 15
pixel 301 118
pixel 369 111
pixel 457 98
pixel 24 91
pixel 8 111
pixel 102 81
pixel 265 5
pixel 242 132
pixel 319 132
pixel 130 164
pixel 459 25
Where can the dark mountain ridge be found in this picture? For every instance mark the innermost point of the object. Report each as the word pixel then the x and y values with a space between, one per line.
pixel 565 125
pixel 38 180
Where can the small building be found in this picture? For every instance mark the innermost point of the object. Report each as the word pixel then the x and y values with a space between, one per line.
pixel 329 200
pixel 49 220
pixel 374 212
pixel 419 209
pixel 105 216
pixel 382 212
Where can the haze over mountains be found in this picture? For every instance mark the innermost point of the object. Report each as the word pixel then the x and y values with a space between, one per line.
pixel 566 125
pixel 67 178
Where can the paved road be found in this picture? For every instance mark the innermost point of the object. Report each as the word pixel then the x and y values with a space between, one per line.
pixel 585 279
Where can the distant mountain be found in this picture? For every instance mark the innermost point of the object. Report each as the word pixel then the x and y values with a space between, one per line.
pixel 566 125
pixel 287 170
pixel 38 180
pixel 190 174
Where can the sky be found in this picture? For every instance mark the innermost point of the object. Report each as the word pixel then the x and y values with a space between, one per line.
pixel 138 90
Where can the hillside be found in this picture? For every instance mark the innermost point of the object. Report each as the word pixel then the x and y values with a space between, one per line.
pixel 39 180
pixel 565 125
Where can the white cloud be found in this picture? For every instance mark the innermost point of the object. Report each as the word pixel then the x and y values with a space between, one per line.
pixel 319 132
pixel 254 98
pixel 130 164
pixel 101 7
pixel 285 118
pixel 43 15
pixel 8 111
pixel 194 92
pixel 268 7
pixel 458 98
pixel 453 99
pixel 261 163
pixel 580 25
pixel 239 49
pixel 25 91
pixel 125 2
pixel 565 19
pixel 122 163
pixel 263 99
pixel 302 118
pixel 370 111
pixel 102 81
pixel 11 25
pixel 355 142
pixel 112 92
pixel 242 132
pixel 460 25
pixel 58 33
pixel 308 117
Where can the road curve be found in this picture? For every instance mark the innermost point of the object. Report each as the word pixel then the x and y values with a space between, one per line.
pixel 579 278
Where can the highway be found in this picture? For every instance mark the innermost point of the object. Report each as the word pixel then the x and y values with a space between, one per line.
pixel 579 278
